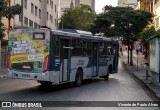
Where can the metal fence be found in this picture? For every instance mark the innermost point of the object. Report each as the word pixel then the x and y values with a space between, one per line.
pixel 4 58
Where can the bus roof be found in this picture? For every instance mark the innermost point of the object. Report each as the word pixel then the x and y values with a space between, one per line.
pixel 80 34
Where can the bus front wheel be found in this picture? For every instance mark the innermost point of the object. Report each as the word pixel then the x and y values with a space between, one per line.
pixel 78 78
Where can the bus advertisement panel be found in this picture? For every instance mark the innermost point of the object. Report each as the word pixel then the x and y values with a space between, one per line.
pixel 28 51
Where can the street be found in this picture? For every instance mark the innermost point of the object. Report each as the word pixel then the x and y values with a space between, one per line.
pixel 120 87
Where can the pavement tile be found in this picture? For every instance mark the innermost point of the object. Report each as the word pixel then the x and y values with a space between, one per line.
pixel 3 72
pixel 141 74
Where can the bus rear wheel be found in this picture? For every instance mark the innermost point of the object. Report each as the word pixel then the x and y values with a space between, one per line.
pixel 78 78
pixel 45 83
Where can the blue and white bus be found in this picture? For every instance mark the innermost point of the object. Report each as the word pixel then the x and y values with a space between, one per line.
pixel 60 56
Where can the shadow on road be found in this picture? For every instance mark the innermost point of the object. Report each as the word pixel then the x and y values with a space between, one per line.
pixel 41 91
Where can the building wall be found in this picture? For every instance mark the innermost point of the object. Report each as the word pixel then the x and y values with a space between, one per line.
pixel 86 2
pixel 157 14
pixel 67 4
pixel 122 3
pixel 46 14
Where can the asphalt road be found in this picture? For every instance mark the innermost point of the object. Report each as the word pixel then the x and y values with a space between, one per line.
pixel 120 87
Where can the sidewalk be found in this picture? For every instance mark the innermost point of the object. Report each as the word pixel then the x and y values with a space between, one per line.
pixel 141 74
pixel 3 72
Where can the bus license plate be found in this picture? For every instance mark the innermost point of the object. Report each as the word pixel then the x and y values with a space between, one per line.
pixel 26 75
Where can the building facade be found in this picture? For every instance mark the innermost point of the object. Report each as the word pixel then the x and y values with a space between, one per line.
pixel 91 3
pixel 38 13
pixel 122 3
pixel 127 3
pixel 73 3
pixel 157 14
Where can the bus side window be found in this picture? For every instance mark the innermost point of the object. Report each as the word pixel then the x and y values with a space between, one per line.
pixel 109 49
pixel 56 45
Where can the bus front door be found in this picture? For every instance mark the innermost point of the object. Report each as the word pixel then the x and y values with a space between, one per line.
pixel 115 57
pixel 95 59
pixel 65 60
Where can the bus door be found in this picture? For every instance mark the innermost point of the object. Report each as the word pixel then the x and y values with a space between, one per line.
pixel 65 60
pixel 95 59
pixel 115 57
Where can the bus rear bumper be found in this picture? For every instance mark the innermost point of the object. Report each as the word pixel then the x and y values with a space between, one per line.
pixel 29 76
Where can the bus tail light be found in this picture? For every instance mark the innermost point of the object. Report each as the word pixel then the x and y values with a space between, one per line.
pixel 45 65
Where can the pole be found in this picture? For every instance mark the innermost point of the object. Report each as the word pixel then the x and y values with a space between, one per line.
pixel 137 62
pixel 0 53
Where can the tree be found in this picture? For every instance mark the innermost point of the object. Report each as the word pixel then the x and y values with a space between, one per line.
pixel 81 17
pixel 146 34
pixel 123 22
pixel 7 12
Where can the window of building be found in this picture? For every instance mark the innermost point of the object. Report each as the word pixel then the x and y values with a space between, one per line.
pixel 47 1
pixel 25 4
pixel 32 8
pixel 47 15
pixel 52 4
pixel 39 13
pixel 55 8
pixel 51 18
pixel 36 10
pixel 20 18
pixel 26 21
pixel 35 25
pixel 39 0
pixel 30 23
pixel 55 22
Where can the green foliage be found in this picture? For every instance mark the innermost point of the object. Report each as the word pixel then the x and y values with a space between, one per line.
pixel 7 12
pixel 122 21
pixel 81 18
pixel 146 34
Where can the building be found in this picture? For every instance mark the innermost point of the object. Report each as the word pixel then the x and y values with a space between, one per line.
pixel 91 3
pixel 127 3
pixel 73 3
pixel 66 4
pixel 37 13
pixel 122 3
pixel 157 14
pixel 146 5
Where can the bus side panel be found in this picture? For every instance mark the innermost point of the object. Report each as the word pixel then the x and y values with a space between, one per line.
pixel 80 62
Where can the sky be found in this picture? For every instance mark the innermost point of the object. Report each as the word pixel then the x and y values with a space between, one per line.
pixel 101 3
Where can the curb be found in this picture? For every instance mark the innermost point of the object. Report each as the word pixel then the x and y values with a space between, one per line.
pixel 148 85
pixel 3 76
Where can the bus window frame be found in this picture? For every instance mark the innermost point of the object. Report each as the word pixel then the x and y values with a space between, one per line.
pixel 44 37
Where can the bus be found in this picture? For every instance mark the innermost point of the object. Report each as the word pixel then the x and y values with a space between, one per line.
pixel 60 56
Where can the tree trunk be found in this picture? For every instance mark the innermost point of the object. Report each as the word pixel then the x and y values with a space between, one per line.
pixel 131 56
pixel 128 53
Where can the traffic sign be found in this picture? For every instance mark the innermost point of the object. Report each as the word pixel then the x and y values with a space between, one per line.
pixel 138 47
